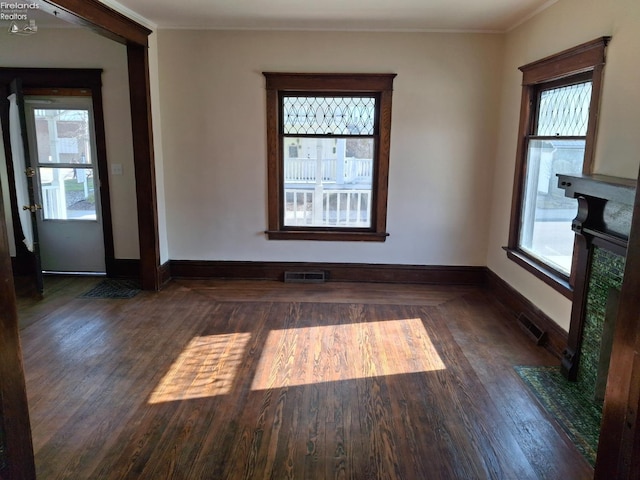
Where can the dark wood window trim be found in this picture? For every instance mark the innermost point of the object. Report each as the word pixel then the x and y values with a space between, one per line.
pixel 378 84
pixel 584 61
pixel 556 281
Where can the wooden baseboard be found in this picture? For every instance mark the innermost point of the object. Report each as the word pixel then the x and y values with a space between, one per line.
pixel 165 273
pixel 22 266
pixel 516 304
pixel 124 268
pixel 335 272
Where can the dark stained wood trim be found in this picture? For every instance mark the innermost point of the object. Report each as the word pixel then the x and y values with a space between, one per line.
pixel 14 402
pixel 274 167
pixel 22 266
pixel 14 411
pixel 328 82
pixel 381 181
pixel 571 354
pixel 118 27
pixel 594 117
pixel 324 235
pixel 103 172
pixel 584 60
pixel 130 268
pixel 581 58
pixel 515 303
pixel 520 168
pixel 63 91
pixel 124 268
pixel 139 91
pixel 336 272
pixel 619 445
pixel 64 80
pixel 548 276
pixel 165 273
pixel 99 17
pixel 614 189
pixel 16 88
pixel 381 85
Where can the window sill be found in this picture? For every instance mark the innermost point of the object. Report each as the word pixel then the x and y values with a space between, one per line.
pixel 336 236
pixel 548 276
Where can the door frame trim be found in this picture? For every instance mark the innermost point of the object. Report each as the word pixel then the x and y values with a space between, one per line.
pixel 13 397
pixel 118 27
pixel 89 79
pixel 114 25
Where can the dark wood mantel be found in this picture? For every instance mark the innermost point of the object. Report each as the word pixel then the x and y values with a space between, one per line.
pixel 600 186
pixel 605 209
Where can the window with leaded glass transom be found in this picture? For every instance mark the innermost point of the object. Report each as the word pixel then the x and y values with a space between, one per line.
pixel 328 155
pixel 559 110
pixel 556 145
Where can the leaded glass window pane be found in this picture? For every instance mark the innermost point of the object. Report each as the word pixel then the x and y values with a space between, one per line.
pixel 330 115
pixel 564 111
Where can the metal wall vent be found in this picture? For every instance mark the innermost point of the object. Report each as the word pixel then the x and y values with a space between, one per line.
pixel 305 277
pixel 532 330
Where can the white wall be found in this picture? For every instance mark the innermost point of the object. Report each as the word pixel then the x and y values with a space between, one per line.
pixel 566 24
pixel 81 48
pixel 442 143
pixel 157 145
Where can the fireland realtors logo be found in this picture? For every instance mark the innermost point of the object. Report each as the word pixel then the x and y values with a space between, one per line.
pixel 18 16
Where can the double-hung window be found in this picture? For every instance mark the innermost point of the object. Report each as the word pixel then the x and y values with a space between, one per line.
pixel 559 110
pixel 328 141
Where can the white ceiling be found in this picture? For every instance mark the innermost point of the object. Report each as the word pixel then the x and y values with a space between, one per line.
pixel 401 15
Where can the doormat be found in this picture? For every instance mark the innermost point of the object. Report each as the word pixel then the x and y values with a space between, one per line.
pixel 570 404
pixel 113 288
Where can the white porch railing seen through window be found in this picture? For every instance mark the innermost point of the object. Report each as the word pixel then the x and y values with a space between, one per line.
pixel 327 182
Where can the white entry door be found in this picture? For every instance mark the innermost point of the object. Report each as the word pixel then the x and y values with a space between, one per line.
pixel 62 144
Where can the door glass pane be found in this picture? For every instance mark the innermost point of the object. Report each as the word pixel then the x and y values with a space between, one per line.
pixel 547 214
pixel 328 181
pixel 62 136
pixel 67 193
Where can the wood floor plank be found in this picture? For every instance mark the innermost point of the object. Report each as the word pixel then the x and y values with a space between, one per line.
pixel 233 381
pixel 492 343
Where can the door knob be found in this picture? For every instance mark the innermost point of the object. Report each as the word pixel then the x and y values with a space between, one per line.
pixel 32 208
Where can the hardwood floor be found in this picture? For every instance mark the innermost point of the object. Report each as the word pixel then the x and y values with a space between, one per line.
pixel 266 380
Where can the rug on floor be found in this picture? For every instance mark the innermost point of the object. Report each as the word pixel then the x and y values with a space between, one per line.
pixel 569 403
pixel 113 288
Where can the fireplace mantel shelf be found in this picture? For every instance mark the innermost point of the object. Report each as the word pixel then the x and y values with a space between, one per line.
pixel 616 189
pixel 605 210
pixel 605 207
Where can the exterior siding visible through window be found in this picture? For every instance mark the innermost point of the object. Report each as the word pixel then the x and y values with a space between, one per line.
pixel 560 100
pixel 328 155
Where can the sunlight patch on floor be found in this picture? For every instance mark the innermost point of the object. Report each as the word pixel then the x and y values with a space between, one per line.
pixel 302 356
pixel 205 368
